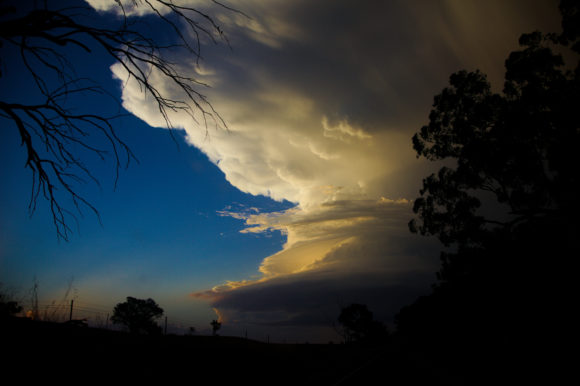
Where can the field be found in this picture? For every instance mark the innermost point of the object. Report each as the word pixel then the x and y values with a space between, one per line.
pixel 42 351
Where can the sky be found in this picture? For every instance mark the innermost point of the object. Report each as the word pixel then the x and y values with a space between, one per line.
pixel 294 208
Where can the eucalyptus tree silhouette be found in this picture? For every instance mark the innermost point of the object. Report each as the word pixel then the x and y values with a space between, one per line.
pixel 359 325
pixel 215 326
pixel 505 205
pixel 138 315
pixel 8 306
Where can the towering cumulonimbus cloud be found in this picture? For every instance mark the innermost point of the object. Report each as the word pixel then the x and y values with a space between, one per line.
pixel 320 101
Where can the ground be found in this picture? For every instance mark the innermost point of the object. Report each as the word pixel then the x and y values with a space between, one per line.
pixel 40 351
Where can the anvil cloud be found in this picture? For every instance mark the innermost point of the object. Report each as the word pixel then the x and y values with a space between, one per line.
pixel 320 99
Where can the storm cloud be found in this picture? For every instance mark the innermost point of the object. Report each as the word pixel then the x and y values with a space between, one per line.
pixel 320 100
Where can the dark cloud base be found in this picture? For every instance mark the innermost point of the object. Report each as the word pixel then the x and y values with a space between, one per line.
pixel 312 302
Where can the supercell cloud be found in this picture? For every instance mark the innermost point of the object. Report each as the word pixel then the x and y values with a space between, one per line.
pixel 320 100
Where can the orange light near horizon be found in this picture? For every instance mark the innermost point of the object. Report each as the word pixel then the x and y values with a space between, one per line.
pixel 220 318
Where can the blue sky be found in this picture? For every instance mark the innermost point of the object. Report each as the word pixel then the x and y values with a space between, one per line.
pixel 301 205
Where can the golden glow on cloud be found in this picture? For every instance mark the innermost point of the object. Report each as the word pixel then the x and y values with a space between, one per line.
pixel 316 236
pixel 343 131
pixel 220 317
pixel 297 258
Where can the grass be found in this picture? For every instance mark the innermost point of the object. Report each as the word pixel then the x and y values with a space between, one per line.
pixel 46 350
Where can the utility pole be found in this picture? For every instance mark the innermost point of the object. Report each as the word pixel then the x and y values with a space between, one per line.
pixel 71 309
pixel 165 333
pixel 35 315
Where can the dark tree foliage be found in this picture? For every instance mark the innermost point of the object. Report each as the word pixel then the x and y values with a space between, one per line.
pixel 358 325
pixel 215 326
pixel 506 205
pixel 8 306
pixel 138 315
pixel 46 44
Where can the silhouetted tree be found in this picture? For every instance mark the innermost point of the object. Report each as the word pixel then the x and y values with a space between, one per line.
pixel 506 204
pixel 8 306
pixel 138 315
pixel 358 325
pixel 215 326
pixel 39 41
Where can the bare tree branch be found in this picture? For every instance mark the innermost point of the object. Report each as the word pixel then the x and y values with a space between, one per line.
pixel 51 132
